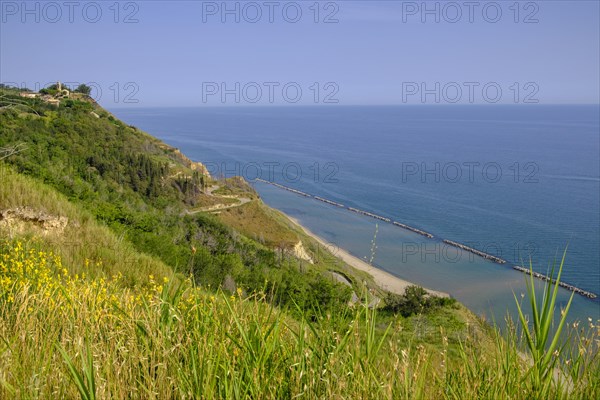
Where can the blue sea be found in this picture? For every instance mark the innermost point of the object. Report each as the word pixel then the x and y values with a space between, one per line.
pixel 520 182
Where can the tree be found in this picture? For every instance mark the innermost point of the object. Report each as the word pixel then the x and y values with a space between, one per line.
pixel 413 301
pixel 50 90
pixel 84 89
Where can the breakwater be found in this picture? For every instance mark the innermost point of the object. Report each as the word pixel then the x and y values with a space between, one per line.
pixel 333 203
pixel 475 251
pixel 565 285
pixel 289 189
pixel 369 214
pixel 415 230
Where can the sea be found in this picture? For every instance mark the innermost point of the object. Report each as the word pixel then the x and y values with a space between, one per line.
pixel 520 182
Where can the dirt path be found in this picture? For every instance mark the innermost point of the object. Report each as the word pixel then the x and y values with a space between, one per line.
pixel 210 190
pixel 220 207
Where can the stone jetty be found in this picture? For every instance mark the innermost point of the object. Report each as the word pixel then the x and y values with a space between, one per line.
pixel 369 214
pixel 333 203
pixel 565 285
pixel 415 230
pixel 289 189
pixel 475 251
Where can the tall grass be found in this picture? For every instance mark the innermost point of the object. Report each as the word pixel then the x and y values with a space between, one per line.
pixel 69 337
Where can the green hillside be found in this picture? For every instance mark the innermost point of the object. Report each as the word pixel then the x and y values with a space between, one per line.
pixel 152 196
pixel 126 271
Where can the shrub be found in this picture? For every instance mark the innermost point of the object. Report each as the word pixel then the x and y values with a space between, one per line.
pixel 415 300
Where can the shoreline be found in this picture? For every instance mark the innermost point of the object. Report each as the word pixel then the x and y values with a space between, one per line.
pixel 383 279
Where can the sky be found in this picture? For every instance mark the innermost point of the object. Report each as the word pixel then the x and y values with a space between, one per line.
pixel 237 53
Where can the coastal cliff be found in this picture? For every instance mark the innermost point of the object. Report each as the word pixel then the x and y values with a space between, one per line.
pixel 126 270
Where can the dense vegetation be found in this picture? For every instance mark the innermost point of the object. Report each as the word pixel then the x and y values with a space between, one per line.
pixel 143 295
pixel 142 188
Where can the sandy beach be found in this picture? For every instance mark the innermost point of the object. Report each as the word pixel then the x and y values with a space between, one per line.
pixel 382 278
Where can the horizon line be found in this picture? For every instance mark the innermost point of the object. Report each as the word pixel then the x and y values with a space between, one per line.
pixel 345 105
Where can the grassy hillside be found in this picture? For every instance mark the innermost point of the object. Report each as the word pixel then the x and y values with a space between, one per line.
pixel 152 196
pixel 119 279
pixel 75 325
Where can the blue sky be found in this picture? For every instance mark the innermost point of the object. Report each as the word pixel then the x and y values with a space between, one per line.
pixel 174 53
